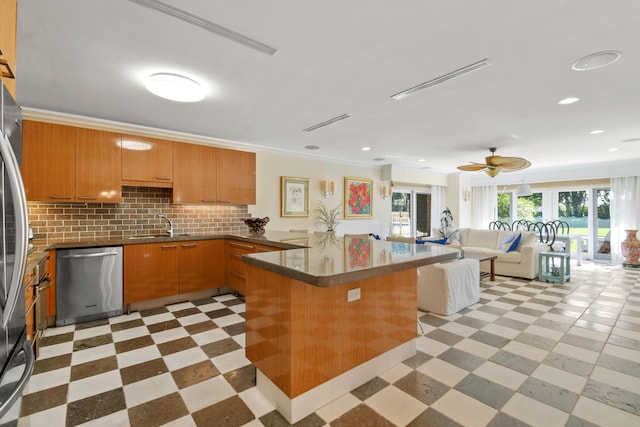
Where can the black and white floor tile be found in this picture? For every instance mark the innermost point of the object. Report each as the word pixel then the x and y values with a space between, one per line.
pixel 529 353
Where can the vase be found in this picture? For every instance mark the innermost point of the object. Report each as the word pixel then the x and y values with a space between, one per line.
pixel 631 249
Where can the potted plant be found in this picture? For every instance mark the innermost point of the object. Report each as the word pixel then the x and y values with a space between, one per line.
pixel 328 217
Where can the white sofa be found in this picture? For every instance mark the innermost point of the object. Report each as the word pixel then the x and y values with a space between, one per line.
pixel 522 262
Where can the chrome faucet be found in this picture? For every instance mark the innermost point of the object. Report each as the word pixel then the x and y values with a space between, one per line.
pixel 170 228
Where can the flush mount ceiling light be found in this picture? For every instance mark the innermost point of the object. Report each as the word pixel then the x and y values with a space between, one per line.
pixel 366 148
pixel 568 101
pixel 174 87
pixel 596 60
pixel 326 122
pixel 199 21
pixel 446 77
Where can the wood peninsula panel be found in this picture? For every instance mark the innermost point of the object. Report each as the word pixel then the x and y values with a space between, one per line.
pixel 49 161
pixel 194 174
pixel 147 161
pixel 301 336
pixel 51 296
pixel 98 166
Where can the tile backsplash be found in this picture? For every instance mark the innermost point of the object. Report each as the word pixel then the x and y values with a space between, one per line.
pixel 136 215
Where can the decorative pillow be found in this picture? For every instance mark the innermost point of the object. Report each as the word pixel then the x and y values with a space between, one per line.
pixel 506 243
pixel 375 236
pixel 515 243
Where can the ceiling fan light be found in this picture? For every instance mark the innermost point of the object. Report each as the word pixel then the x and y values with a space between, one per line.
pixel 492 172
pixel 174 87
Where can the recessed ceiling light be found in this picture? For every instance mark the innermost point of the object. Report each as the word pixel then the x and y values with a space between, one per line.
pixel 311 147
pixel 613 149
pixel 366 148
pixel 567 101
pixel 422 160
pixel 596 60
pixel 174 87
pixel 597 131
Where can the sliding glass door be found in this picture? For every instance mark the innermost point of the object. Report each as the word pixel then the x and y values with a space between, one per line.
pixel 410 213
pixel 602 225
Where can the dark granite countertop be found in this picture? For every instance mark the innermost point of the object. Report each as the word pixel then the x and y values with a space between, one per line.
pixel 319 259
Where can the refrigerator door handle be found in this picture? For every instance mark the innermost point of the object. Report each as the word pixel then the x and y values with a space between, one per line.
pixel 22 227
pixel 21 384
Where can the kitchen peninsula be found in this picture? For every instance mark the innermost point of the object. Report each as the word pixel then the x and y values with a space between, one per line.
pixel 322 320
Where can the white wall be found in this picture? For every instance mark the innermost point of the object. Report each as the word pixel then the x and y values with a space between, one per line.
pixel 270 166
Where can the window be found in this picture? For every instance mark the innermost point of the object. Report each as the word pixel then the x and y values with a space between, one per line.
pixel 530 207
pixel 410 213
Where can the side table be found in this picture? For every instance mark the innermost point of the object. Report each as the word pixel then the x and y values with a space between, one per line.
pixel 549 272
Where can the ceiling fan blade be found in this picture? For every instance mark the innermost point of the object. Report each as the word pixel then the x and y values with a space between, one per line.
pixel 472 167
pixel 514 163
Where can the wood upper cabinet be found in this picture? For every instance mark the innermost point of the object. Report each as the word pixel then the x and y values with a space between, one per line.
pixel 236 180
pixel 150 271
pixel 194 174
pixel 8 17
pixel 147 162
pixel 49 161
pixel 98 166
pixel 67 164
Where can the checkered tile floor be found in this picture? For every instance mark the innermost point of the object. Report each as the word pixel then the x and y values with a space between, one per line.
pixel 529 353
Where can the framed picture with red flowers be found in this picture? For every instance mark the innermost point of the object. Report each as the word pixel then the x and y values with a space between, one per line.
pixel 358 197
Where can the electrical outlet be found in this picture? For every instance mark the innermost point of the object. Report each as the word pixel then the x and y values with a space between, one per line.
pixel 353 295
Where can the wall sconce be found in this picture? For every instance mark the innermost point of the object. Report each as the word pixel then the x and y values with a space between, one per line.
pixel 466 194
pixel 386 192
pixel 327 188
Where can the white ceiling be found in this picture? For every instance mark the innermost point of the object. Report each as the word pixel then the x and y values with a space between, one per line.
pixel 90 58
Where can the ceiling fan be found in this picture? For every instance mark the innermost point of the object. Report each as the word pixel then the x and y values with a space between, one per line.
pixel 495 164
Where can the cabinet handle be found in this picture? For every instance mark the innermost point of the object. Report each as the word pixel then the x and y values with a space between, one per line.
pixel 224 201
pixel 240 275
pixel 60 197
pixel 190 245
pixel 238 245
pixel 163 178
pixel 236 255
pixel 169 246
pixel 8 72
pixel 87 198
pixel 208 201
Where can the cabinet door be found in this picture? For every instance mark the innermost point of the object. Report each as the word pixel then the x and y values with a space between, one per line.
pixel 150 271
pixel 147 161
pixel 201 265
pixel 98 166
pixel 48 161
pixel 236 268
pixel 236 177
pixel 8 16
pixel 194 174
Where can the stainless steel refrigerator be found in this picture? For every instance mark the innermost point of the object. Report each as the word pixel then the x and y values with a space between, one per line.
pixel 16 354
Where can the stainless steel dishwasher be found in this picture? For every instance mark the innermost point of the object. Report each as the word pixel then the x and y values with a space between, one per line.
pixel 88 284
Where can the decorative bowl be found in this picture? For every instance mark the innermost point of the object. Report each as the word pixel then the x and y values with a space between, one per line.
pixel 256 225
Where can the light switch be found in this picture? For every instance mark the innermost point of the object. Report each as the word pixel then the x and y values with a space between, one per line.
pixel 353 294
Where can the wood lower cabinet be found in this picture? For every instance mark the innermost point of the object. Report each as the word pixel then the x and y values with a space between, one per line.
pixel 236 268
pixel 29 283
pixel 51 291
pixel 157 270
pixel 70 164
pixel 147 162
pixel 202 265
pixel 150 271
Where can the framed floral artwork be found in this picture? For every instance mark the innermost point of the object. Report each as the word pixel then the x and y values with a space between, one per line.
pixel 294 196
pixel 358 197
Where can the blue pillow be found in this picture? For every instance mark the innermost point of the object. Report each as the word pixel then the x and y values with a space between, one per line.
pixel 515 243
pixel 439 242
pixel 506 243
